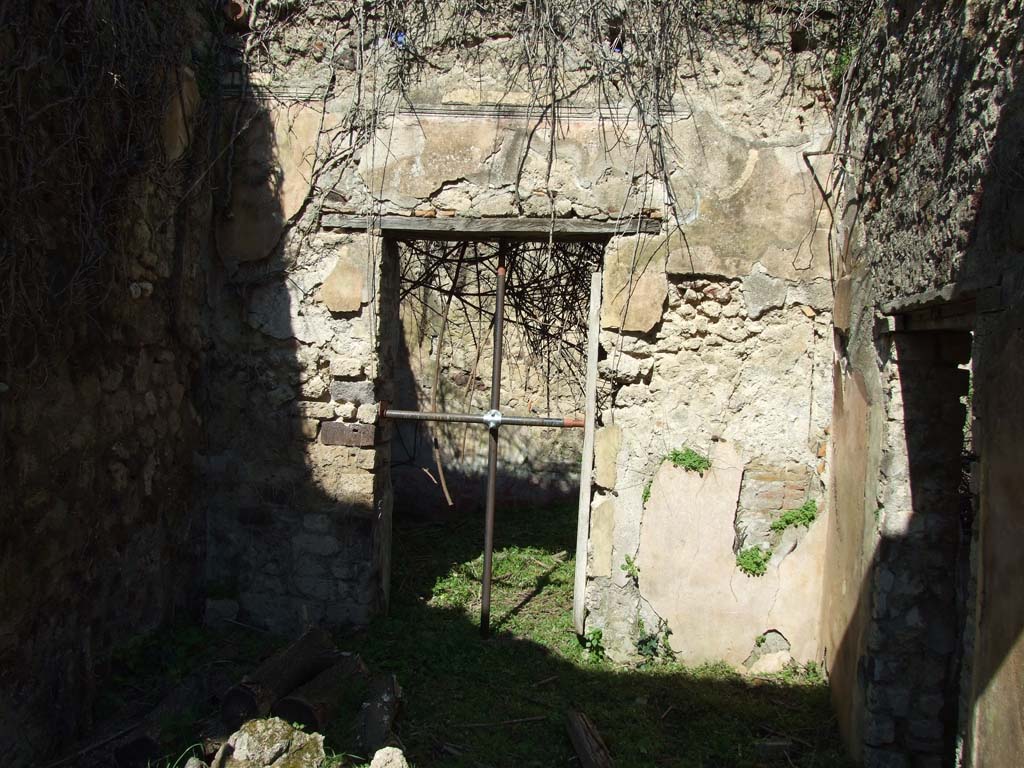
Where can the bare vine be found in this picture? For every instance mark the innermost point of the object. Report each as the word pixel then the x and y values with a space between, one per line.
pixel 82 97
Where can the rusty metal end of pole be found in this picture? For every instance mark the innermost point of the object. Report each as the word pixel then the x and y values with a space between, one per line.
pixel 575 423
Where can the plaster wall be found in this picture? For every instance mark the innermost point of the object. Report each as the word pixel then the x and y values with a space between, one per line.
pixel 998 668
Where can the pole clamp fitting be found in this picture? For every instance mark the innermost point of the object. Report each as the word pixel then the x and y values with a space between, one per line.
pixel 492 419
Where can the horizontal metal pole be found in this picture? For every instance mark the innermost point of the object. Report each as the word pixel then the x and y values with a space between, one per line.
pixel 479 418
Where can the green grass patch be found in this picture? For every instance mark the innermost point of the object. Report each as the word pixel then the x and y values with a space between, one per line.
pixel 470 702
pixel 753 561
pixel 804 515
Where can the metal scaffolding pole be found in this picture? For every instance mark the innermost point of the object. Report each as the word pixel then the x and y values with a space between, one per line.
pixel 493 420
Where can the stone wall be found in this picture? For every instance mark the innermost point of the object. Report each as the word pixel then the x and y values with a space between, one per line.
pixel 297 502
pixel 933 253
pixel 713 335
pixel 737 367
pixel 100 540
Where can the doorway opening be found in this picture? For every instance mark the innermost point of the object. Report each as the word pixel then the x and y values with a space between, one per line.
pixel 919 649
pixel 444 361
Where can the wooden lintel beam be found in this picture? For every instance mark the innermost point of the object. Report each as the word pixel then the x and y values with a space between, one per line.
pixel 457 228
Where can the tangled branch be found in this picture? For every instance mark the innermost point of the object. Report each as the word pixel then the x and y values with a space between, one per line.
pixel 81 102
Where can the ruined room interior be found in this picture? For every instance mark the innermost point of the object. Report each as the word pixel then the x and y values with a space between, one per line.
pixel 511 383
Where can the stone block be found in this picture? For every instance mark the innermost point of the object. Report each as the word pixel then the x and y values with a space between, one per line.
pixel 315 409
pixel 367 413
pixel 762 292
pixel 635 284
pixel 315 544
pixel 308 428
pixel 879 730
pixel 345 411
pixel 813 294
pixel 602 528
pixel 389 757
pixel 607 442
pixel 273 742
pixel 352 435
pixel 345 289
pixel 357 392
pixel 348 366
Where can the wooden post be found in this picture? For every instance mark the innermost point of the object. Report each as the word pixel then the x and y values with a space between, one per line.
pixel 587 466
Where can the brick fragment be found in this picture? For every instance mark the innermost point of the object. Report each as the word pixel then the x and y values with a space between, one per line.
pixel 352 435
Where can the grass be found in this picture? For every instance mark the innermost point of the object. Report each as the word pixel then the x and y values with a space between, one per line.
pixel 502 702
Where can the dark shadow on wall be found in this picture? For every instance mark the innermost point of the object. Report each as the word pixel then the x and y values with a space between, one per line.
pixel 295 527
pixel 104 217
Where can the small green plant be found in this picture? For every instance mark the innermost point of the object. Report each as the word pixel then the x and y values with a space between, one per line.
pixel 803 515
pixel 753 561
pixel 760 640
pixel 689 459
pixel 631 569
pixel 686 458
pixel 654 646
pixel 839 67
pixel 593 643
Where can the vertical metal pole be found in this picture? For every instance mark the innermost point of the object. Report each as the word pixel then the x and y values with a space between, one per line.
pixel 492 449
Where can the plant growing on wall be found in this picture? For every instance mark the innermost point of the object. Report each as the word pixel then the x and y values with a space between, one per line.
pixel 654 646
pixel 689 459
pixel 753 561
pixel 593 645
pixel 631 569
pixel 803 515
pixel 685 458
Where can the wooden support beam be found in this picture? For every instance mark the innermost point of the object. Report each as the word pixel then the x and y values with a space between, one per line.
pixel 456 228
pixel 304 659
pixel 587 466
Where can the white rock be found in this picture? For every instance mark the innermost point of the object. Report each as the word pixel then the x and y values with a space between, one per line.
pixel 771 663
pixel 389 757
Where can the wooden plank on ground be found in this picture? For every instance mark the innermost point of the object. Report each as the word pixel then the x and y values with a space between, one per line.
pixel 459 228
pixel 587 466
pixel 587 741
